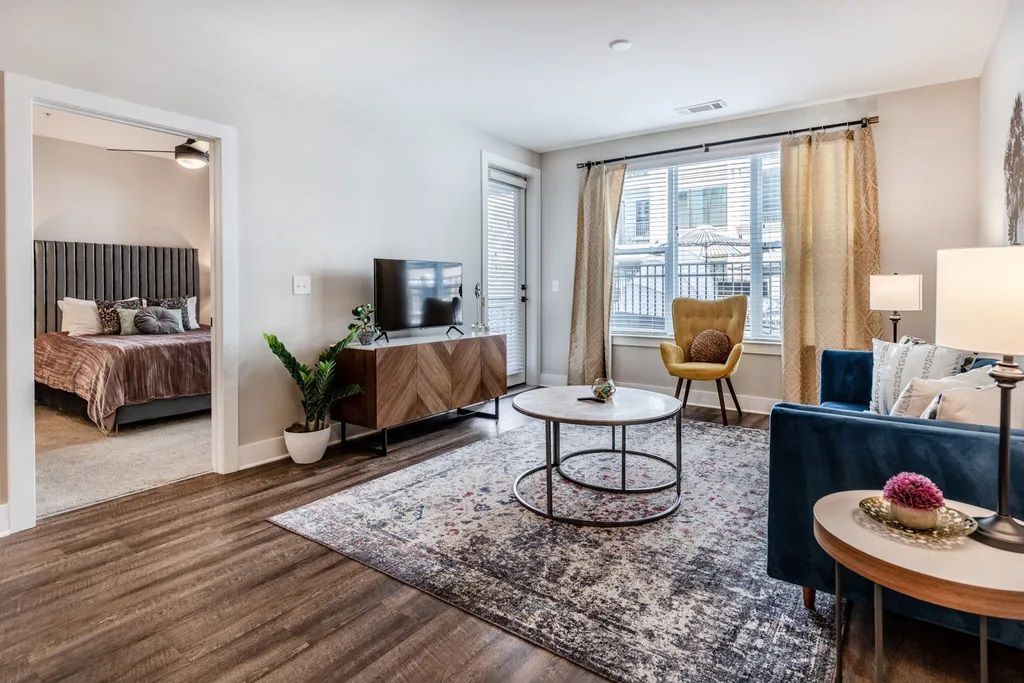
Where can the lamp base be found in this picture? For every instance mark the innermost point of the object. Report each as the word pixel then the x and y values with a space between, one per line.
pixel 1000 531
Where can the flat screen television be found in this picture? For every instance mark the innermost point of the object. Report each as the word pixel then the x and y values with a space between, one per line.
pixel 416 294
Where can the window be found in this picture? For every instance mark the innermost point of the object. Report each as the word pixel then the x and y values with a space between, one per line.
pixel 707 230
pixel 702 206
pixel 642 228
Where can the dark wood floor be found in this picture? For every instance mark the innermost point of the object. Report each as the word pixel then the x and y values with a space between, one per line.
pixel 189 582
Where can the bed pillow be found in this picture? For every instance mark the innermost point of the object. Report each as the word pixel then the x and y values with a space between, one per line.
pixel 896 364
pixel 127 316
pixel 158 320
pixel 79 317
pixel 914 400
pixel 110 319
pixel 182 304
pixel 193 314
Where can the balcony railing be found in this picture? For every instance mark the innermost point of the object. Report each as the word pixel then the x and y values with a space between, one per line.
pixel 639 302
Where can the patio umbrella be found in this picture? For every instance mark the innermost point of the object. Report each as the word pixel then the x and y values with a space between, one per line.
pixel 712 242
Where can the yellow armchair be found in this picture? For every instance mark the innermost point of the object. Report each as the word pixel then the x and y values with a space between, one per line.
pixel 690 317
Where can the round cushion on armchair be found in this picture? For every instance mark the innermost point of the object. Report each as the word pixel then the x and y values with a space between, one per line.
pixel 158 320
pixel 710 346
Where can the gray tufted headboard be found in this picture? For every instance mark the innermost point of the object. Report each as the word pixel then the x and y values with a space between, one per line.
pixel 85 270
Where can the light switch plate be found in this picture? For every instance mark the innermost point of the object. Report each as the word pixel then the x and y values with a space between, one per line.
pixel 554 285
pixel 302 284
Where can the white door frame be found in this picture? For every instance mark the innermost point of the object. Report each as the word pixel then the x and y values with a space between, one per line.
pixel 533 282
pixel 17 421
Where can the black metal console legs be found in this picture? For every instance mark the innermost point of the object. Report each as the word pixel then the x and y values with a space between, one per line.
pixel 380 444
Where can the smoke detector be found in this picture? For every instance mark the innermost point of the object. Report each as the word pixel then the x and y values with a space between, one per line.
pixel 713 105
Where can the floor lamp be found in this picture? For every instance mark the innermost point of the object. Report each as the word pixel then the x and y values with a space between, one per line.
pixel 979 296
pixel 895 293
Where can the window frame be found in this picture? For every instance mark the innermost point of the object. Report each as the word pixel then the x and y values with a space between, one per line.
pixel 710 205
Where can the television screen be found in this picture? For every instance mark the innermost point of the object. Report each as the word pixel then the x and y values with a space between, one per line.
pixel 416 294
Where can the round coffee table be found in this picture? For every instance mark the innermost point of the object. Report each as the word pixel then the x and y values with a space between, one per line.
pixel 960 574
pixel 558 405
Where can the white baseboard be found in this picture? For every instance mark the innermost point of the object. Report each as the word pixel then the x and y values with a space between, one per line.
pixel 549 380
pixel 5 520
pixel 709 399
pixel 270 450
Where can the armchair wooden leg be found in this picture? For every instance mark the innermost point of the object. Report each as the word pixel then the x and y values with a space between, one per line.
pixel 809 594
pixel 721 402
pixel 728 381
pixel 686 394
pixel 679 386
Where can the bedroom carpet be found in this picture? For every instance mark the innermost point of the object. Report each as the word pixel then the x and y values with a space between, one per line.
pixel 683 599
pixel 77 465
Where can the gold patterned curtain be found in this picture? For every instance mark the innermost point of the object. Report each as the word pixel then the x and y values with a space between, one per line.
pixel 829 248
pixel 597 220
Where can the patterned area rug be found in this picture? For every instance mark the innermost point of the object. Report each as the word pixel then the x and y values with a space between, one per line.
pixel 683 599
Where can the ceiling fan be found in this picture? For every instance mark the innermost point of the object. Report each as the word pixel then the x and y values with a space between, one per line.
pixel 185 154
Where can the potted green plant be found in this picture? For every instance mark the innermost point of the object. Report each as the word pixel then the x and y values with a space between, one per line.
pixel 363 326
pixel 320 386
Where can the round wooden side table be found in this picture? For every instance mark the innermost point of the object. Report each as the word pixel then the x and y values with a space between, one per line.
pixel 961 573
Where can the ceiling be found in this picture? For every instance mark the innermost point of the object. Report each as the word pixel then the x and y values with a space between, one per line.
pixel 536 73
pixel 88 130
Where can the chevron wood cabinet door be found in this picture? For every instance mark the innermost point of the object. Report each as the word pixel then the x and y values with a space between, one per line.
pixel 414 378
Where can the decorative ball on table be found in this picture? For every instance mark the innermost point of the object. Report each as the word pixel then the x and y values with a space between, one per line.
pixel 603 388
pixel 914 499
pixel 710 346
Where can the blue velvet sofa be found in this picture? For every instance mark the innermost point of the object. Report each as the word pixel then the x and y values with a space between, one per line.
pixel 817 450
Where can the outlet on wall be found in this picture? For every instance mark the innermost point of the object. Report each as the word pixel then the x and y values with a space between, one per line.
pixel 302 284
pixel 554 285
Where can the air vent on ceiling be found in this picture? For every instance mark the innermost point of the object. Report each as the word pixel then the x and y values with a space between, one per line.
pixel 713 105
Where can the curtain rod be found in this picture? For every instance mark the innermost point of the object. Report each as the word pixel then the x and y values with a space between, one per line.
pixel 863 123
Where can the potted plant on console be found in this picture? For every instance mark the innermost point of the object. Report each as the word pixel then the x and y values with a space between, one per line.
pixel 363 326
pixel 320 386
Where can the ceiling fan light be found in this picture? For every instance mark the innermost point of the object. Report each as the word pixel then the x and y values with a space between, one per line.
pixel 191 158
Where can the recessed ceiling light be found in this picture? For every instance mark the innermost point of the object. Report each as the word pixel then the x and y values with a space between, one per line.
pixel 620 44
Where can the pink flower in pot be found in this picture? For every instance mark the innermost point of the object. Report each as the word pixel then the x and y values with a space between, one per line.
pixel 914 500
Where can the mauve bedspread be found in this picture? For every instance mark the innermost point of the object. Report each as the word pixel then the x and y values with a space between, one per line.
pixel 110 371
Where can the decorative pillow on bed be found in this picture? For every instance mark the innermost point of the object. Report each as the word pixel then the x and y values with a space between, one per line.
pixel 110 319
pixel 127 316
pixel 159 320
pixel 180 303
pixel 79 317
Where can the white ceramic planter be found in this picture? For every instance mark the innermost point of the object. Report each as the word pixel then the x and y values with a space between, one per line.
pixel 913 518
pixel 307 447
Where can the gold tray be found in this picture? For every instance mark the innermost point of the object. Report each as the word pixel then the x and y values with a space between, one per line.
pixel 952 523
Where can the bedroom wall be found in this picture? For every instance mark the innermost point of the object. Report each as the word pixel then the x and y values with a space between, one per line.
pixel 1001 81
pixel 324 187
pixel 926 146
pixel 83 193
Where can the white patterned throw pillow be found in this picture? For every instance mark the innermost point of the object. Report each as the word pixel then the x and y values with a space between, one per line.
pixel 896 364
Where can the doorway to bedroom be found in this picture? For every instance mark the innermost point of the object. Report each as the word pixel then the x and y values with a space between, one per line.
pixel 122 308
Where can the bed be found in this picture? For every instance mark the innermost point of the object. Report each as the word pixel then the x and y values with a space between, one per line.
pixel 114 380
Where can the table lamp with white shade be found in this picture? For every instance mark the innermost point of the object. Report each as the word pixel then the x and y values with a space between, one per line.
pixel 979 306
pixel 895 293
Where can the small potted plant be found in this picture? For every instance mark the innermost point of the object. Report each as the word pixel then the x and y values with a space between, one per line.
pixel 363 325
pixel 320 386
pixel 914 499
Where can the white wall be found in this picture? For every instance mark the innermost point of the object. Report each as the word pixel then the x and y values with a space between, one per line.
pixel 83 193
pixel 323 188
pixel 926 148
pixel 1001 81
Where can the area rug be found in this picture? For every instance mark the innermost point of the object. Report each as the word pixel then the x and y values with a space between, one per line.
pixel 77 465
pixel 683 599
